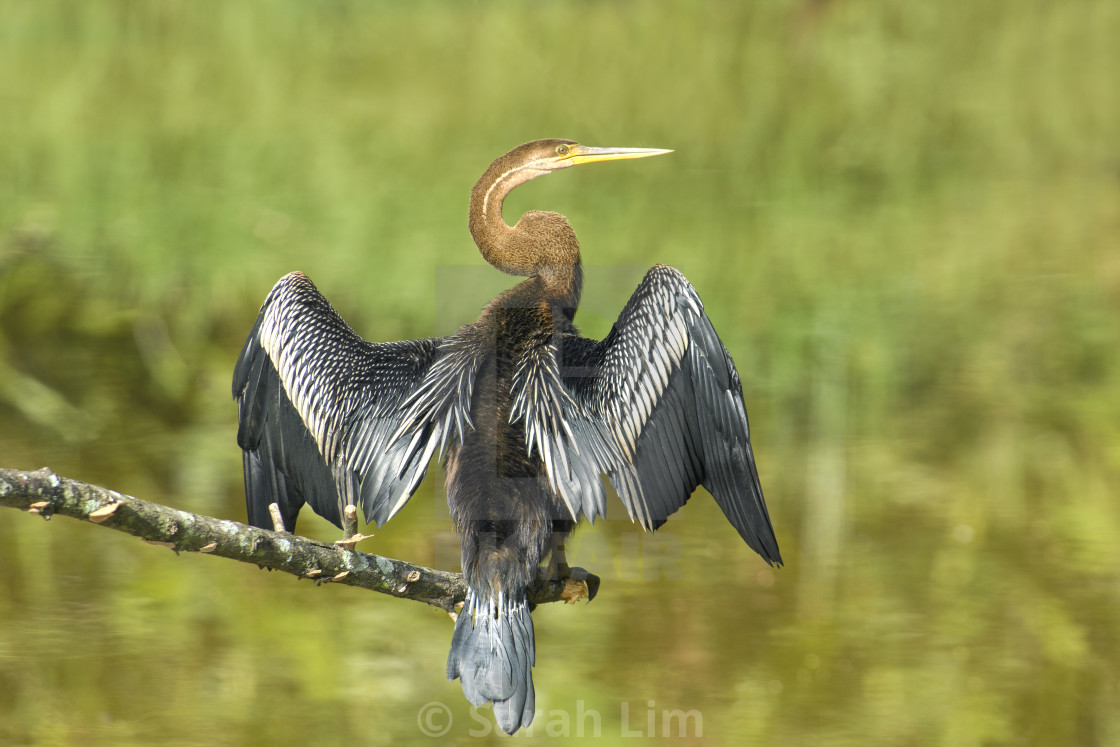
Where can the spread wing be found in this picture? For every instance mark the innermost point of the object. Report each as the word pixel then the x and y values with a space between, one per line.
pixel 658 406
pixel 321 412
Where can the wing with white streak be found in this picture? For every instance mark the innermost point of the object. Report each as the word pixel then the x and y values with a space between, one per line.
pixel 665 388
pixel 330 419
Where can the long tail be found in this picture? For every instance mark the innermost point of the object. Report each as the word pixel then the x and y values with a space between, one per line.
pixel 493 653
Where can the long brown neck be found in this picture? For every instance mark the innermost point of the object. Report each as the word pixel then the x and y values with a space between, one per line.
pixel 541 244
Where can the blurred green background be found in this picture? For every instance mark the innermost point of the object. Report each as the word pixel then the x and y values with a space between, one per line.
pixel 904 219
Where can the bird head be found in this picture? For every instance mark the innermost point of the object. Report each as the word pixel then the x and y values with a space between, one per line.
pixel 543 156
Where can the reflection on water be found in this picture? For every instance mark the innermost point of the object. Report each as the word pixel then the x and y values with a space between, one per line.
pixel 916 631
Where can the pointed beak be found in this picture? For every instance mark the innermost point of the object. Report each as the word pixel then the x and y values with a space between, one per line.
pixel 580 154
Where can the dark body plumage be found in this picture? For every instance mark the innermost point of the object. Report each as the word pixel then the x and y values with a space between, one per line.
pixel 529 415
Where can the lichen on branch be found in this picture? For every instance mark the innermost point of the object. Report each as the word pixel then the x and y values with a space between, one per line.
pixel 44 493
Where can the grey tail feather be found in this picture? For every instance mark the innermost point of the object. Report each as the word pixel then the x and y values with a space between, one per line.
pixel 492 653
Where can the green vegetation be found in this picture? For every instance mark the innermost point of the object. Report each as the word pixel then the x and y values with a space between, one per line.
pixel 903 218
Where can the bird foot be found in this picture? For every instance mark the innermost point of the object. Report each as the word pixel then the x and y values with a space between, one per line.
pixel 575 583
pixel 554 571
pixel 586 582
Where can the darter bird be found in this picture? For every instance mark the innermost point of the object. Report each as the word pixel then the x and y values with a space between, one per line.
pixel 528 414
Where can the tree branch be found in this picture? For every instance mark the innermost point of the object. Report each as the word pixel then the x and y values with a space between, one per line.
pixel 45 493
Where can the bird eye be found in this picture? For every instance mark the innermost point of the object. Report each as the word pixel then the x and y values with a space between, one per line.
pixel 562 150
